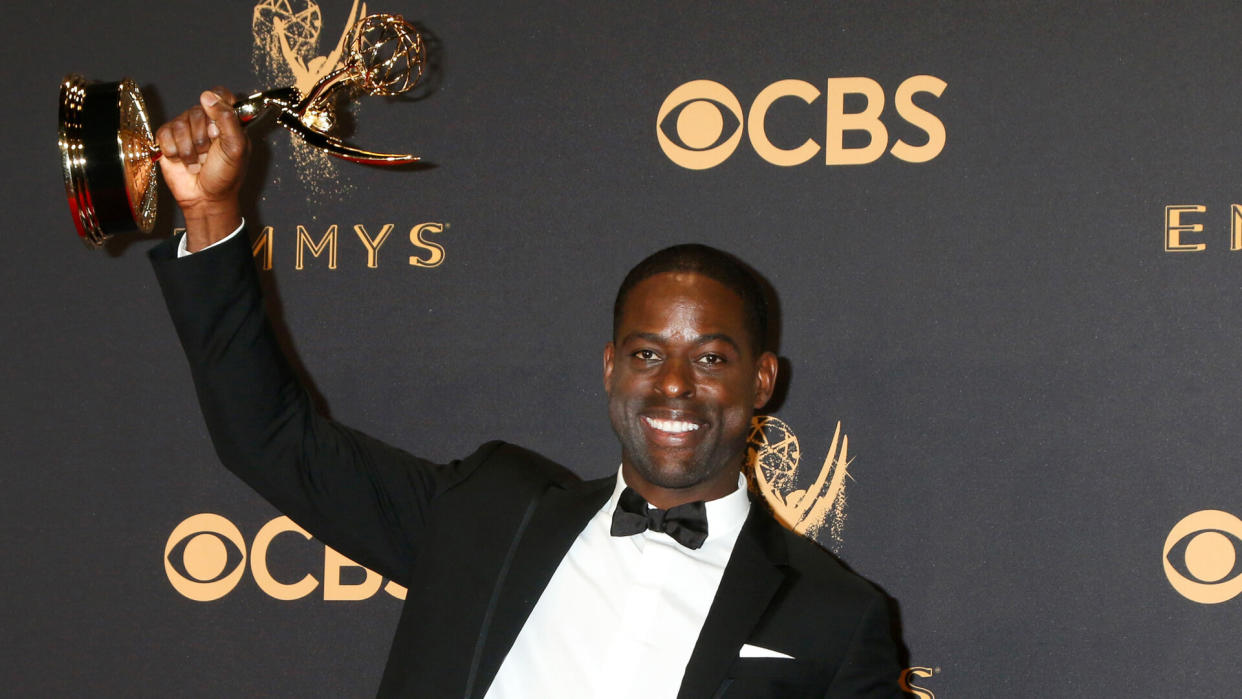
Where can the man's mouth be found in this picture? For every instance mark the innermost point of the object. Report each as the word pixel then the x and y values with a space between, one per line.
pixel 672 427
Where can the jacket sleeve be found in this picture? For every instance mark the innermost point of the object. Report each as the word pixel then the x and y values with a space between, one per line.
pixel 358 495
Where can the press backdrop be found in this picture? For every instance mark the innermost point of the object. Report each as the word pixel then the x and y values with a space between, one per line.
pixel 1006 239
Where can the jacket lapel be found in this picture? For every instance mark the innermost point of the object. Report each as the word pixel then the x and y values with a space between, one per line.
pixel 554 525
pixel 754 573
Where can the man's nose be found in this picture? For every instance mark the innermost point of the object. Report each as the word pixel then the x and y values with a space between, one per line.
pixel 676 379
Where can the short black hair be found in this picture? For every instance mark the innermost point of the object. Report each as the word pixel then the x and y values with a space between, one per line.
pixel 714 264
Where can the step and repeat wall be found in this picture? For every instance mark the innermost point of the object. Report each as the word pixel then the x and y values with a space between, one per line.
pixel 1005 240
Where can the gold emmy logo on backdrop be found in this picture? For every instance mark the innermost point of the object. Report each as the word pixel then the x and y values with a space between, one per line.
pixel 108 153
pixel 1201 557
pixel 773 455
pixel 286 37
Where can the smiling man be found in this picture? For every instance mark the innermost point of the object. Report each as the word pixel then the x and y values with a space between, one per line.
pixel 664 580
pixel 685 372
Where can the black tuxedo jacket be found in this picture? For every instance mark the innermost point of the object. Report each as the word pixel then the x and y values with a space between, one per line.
pixel 475 541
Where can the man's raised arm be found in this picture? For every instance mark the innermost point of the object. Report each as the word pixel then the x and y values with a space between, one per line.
pixel 360 496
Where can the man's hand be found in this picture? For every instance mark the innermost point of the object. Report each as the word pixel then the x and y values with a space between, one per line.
pixel 204 162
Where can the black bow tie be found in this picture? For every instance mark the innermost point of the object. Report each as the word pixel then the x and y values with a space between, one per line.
pixel 687 523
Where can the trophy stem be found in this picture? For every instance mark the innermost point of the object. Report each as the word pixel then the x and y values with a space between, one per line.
pixel 321 89
pixel 257 104
pixel 295 114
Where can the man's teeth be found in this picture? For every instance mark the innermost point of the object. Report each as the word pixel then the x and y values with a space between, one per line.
pixel 674 426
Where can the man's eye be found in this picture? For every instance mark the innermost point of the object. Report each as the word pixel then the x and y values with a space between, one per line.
pixel 711 359
pixel 645 355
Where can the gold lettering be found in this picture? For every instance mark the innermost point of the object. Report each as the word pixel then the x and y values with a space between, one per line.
pixel 435 250
pixel 835 152
pixel 263 244
pixel 258 561
pixel 909 688
pixel 395 590
pixel 373 244
pixel 757 130
pixel 919 117
pixel 1174 228
pixel 327 241
pixel 336 591
pixel 1235 227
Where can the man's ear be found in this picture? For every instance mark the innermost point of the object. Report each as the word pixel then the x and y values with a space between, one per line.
pixel 765 378
pixel 608 354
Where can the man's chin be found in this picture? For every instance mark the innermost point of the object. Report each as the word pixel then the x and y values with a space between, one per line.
pixel 676 475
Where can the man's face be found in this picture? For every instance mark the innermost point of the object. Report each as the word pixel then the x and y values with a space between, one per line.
pixel 683 382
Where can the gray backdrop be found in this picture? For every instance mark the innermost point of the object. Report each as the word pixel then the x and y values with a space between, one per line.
pixel 1035 389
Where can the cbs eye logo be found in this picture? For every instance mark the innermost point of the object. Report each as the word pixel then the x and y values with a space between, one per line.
pixel 698 120
pixel 700 124
pixel 202 544
pixel 1201 557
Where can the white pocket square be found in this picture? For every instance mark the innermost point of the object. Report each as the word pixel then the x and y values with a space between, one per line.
pixel 749 651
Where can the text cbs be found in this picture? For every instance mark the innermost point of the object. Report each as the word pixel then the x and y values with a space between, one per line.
pixel 696 113
pixel 206 557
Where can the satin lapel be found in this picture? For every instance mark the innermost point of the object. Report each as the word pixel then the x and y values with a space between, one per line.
pixel 554 525
pixel 754 573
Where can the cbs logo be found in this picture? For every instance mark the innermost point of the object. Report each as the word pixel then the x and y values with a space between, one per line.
pixel 699 113
pixel 1201 557
pixel 205 558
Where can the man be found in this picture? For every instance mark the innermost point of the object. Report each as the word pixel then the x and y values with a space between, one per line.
pixel 524 582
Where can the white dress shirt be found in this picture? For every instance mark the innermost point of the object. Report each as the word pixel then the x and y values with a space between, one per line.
pixel 621 615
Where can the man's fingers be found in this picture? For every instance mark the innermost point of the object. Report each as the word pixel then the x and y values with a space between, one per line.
pixel 182 138
pixel 225 95
pixel 192 133
pixel 198 130
pixel 225 127
pixel 205 151
pixel 168 144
